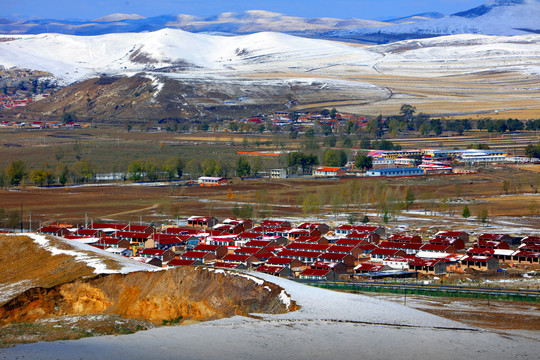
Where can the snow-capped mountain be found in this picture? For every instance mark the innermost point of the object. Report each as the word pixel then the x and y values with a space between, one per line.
pixel 497 17
pixel 246 22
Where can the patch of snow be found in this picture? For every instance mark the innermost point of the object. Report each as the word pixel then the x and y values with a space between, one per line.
pixel 10 290
pixel 97 262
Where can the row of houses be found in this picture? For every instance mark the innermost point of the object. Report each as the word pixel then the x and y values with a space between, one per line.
pixel 308 250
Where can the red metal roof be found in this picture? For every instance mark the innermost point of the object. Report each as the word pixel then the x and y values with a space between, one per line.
pixel 206 248
pixel 389 252
pixel 434 247
pixel 259 243
pixel 333 256
pixel 341 248
pixel 308 246
pixel 398 245
pixel 405 238
pixel 180 231
pixel 237 257
pixel 481 251
pixel 423 262
pixel 369 267
pixel 492 236
pixel 476 258
pixel 195 254
pixel 108 226
pixel 315 272
pixel 221 264
pixel 250 235
pixel 299 253
pixel 135 235
pixel 153 252
pixel 181 262
pixel 270 269
pixel 531 239
pixel 279 261
pixel 247 250
pixel 449 233
pixel 352 242
pixel 358 228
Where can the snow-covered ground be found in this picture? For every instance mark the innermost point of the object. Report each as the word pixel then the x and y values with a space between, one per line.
pixel 73 58
pixel 329 325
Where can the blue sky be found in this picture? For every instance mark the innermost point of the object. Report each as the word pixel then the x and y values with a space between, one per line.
pixel 362 9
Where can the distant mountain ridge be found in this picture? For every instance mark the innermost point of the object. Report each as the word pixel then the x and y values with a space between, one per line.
pixel 497 17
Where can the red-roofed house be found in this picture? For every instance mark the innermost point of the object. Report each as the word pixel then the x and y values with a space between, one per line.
pixel 219 251
pixel 202 256
pixel 202 221
pixel 347 259
pixel 296 233
pixel 314 274
pixel 337 267
pixel 480 262
pixel 312 239
pixel 347 229
pixel 276 224
pixel 113 242
pixel 260 243
pixel 426 266
pixel 89 233
pixel 250 236
pixel 163 255
pixel 378 255
pixel 409 248
pixel 457 243
pixel 398 262
pixel 366 236
pixel 289 262
pixel 230 265
pixel 345 249
pixel 240 259
pixel 531 240
pixel 54 230
pixel 308 246
pixel 369 267
pixel 140 228
pixel 307 257
pixel 351 242
pixel 180 231
pixel 321 227
pixel 527 256
pixel 246 223
pixel 182 262
pixel 497 237
pixel 281 271
pixel 233 229
pixel 480 251
pixel 432 248
pixel 454 234
pixel 409 239
pixel 491 244
pixel 327 171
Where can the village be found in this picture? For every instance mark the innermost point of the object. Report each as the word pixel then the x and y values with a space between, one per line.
pixel 310 251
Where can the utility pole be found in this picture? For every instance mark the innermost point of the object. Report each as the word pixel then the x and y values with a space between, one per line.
pixel 21 217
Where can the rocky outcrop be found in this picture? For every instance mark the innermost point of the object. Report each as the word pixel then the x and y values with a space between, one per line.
pixel 183 293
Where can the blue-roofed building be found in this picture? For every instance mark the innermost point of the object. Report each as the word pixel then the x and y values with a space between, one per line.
pixel 405 171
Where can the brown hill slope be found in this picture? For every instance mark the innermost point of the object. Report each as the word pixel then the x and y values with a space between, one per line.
pixel 43 295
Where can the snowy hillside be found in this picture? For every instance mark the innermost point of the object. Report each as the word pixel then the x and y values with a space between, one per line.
pixel 74 58
pixel 499 17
